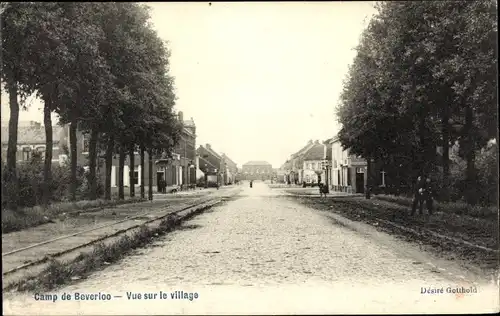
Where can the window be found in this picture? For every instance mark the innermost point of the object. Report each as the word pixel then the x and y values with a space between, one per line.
pixel 86 143
pixel 136 177
pixel 348 176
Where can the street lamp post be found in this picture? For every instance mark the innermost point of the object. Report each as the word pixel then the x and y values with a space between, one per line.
pixel 326 167
pixel 217 175
pixel 190 166
pixel 206 176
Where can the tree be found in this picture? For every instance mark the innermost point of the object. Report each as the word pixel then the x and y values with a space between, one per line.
pixel 410 72
pixel 17 40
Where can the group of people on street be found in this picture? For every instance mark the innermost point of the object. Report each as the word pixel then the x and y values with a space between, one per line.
pixel 424 193
pixel 162 186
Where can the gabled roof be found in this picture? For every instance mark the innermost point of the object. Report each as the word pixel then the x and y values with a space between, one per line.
pixel 32 134
pixel 286 165
pixel 229 159
pixel 213 152
pixel 316 152
pixel 203 162
pixel 257 163
pixel 303 149
pixel 334 140
pixel 328 141
pixel 189 123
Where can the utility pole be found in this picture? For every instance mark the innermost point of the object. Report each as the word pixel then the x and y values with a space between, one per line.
pixel 185 161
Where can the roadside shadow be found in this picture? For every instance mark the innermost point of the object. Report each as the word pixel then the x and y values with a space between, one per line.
pixel 189 227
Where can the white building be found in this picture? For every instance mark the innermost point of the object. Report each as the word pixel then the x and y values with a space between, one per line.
pixel 348 171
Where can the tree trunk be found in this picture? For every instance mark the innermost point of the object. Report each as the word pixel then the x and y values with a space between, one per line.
pixel 143 192
pixel 121 167
pixel 422 159
pixel 11 172
pixel 470 156
pixel 131 171
pixel 93 164
pixel 73 157
pixel 368 178
pixel 445 190
pixel 109 165
pixel 150 170
pixel 47 166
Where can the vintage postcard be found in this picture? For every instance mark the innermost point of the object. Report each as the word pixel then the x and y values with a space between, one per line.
pixel 200 158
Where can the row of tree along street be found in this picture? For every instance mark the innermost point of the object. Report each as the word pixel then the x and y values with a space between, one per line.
pixel 103 69
pixel 425 76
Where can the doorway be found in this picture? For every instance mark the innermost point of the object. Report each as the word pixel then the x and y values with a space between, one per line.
pixel 360 181
pixel 160 176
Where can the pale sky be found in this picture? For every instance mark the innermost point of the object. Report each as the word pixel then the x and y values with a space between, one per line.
pixel 259 79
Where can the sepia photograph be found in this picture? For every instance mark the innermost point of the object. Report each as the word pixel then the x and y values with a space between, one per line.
pixel 249 158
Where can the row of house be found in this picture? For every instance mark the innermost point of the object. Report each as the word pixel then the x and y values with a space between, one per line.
pixel 185 168
pixel 327 162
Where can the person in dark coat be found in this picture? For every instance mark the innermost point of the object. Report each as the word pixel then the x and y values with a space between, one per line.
pixel 429 194
pixel 418 200
pixel 163 186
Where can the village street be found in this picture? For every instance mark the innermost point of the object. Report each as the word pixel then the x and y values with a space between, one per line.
pixel 264 253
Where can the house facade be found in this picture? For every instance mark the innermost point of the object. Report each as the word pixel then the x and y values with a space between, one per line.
pixel 348 171
pixel 231 169
pixel 179 171
pixel 280 175
pixel 295 172
pixel 31 141
pixel 211 164
pixel 313 163
pixel 257 170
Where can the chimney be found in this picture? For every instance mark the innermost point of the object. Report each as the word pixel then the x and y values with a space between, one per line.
pixel 208 146
pixel 310 142
pixel 316 142
pixel 181 117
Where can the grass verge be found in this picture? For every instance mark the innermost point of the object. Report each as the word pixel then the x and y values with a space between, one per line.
pixel 482 212
pixel 30 217
pixel 479 231
pixel 60 273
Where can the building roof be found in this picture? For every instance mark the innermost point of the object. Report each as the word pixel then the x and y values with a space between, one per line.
pixel 34 134
pixel 316 152
pixel 303 149
pixel 208 148
pixel 189 123
pixel 203 162
pixel 286 165
pixel 229 159
pixel 257 163
pixel 328 141
pixel 334 140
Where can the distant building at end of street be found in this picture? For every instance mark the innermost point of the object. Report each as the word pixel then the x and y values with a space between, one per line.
pixel 257 170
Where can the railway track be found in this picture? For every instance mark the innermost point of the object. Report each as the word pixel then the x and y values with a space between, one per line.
pixel 85 238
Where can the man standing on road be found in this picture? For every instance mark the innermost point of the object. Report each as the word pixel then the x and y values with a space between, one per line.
pixel 419 196
pixel 429 194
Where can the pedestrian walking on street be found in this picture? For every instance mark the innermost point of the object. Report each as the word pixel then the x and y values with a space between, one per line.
pixel 419 197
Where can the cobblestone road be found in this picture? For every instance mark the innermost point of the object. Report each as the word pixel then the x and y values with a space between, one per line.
pixel 263 253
